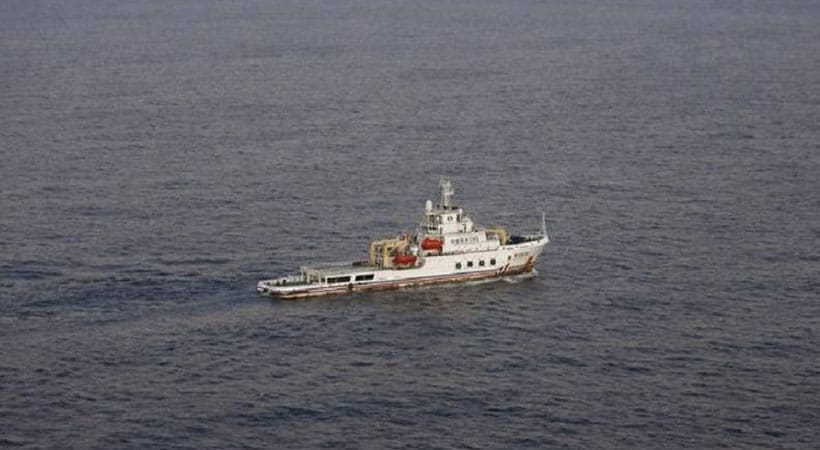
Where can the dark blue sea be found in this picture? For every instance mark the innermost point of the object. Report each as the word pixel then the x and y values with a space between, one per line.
pixel 158 158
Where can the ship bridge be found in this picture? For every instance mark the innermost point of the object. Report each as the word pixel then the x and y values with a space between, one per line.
pixel 445 218
pixel 454 231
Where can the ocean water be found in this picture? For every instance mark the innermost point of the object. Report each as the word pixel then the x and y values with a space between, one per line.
pixel 157 158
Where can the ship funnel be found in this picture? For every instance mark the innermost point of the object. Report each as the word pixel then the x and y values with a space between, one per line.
pixel 446 192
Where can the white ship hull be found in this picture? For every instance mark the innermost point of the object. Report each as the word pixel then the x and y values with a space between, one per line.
pixel 447 247
pixel 507 260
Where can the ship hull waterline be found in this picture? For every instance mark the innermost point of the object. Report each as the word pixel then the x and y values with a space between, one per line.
pixel 441 280
pixel 521 258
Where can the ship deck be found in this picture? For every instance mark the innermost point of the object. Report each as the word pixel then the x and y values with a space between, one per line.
pixel 340 268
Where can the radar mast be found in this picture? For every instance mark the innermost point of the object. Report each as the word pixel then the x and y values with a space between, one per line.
pixel 446 193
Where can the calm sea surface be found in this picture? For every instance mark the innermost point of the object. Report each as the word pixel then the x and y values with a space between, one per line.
pixel 157 158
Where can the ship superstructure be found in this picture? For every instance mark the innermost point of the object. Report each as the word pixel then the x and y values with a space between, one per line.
pixel 447 247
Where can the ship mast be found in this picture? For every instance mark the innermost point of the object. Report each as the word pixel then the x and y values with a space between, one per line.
pixel 446 193
pixel 544 223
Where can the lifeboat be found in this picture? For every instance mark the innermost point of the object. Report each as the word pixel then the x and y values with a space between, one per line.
pixel 404 260
pixel 431 244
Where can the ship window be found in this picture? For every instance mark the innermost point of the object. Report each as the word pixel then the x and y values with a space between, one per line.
pixel 458 266
pixel 469 264
pixel 338 279
pixel 481 263
pixel 492 262
pixel 367 277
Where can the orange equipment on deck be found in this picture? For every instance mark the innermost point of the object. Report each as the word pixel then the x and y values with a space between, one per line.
pixel 404 260
pixel 431 244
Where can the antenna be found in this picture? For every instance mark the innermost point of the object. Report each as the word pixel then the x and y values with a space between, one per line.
pixel 544 223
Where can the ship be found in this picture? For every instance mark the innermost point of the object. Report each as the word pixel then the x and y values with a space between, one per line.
pixel 447 247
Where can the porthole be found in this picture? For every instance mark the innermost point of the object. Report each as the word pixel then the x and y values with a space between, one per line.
pixel 458 266
pixel 481 263
pixel 469 264
pixel 492 262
